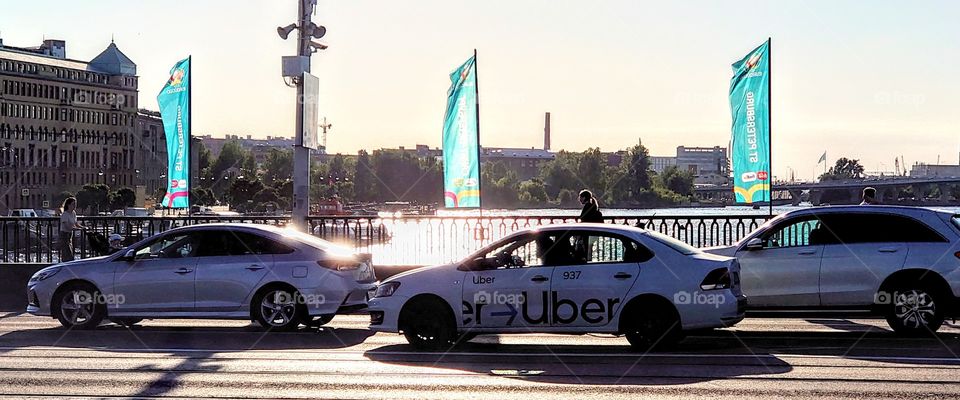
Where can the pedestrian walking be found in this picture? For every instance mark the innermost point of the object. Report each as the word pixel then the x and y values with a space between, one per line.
pixel 869 197
pixel 68 224
pixel 591 209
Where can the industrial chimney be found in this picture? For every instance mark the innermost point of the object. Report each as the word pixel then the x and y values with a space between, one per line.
pixel 546 131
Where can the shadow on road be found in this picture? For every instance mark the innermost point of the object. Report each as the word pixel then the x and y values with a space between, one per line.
pixel 702 356
pixel 196 345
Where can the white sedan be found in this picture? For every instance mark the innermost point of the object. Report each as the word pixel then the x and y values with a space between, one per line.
pixel 584 278
pixel 277 277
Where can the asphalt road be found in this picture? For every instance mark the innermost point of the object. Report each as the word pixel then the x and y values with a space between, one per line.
pixel 760 358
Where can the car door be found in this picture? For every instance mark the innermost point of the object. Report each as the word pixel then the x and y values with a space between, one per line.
pixel 508 287
pixel 160 278
pixel 589 292
pixel 865 248
pixel 785 271
pixel 231 263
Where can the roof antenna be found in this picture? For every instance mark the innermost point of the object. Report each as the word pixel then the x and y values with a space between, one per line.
pixel 111 38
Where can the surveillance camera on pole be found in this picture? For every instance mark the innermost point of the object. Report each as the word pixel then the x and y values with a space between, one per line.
pixel 298 68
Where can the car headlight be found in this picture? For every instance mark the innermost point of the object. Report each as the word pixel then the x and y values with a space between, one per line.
pixel 44 274
pixel 386 289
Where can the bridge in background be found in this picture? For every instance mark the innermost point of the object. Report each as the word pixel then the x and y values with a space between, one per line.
pixel 848 191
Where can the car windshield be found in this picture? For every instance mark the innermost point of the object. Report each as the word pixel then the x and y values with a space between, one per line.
pixel 675 244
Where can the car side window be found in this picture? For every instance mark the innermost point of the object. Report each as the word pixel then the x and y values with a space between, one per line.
pixel 538 250
pixel 878 228
pixel 805 231
pixel 600 248
pixel 169 246
pixel 236 243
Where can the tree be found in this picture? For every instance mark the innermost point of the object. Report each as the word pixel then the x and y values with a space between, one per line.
pixel 278 166
pixel 363 180
pixel 122 198
pixel 498 185
pixel 94 197
pixel 533 193
pixel 638 169
pixel 677 181
pixel 844 169
pixel 560 173
pixel 231 155
pixel 242 191
pixel 205 157
pixel 202 197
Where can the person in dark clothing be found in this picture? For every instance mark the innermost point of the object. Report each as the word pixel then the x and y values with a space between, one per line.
pixel 591 209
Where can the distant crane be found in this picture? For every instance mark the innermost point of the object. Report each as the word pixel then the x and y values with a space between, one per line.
pixel 325 126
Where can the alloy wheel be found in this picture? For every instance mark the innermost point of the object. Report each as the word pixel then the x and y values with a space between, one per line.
pixel 278 308
pixel 77 306
pixel 915 308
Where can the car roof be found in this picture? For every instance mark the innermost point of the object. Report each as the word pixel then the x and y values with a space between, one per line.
pixel 229 225
pixel 611 228
pixel 888 209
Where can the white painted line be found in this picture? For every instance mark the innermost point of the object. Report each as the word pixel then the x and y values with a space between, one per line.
pixel 511 354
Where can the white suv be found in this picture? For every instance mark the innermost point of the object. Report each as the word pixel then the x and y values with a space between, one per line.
pixel 901 263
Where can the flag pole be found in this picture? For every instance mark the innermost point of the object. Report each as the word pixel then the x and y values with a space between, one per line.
pixel 189 134
pixel 476 93
pixel 770 119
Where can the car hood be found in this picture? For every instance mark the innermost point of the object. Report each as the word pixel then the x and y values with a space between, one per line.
pixel 728 251
pixel 80 263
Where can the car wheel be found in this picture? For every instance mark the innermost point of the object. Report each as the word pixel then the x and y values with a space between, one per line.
pixel 653 328
pixel 127 322
pixel 277 309
pixel 76 306
pixel 915 311
pixel 428 324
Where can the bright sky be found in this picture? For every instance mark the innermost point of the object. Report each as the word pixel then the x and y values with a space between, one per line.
pixel 864 79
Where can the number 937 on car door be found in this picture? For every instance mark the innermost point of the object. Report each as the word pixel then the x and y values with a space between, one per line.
pixel 585 278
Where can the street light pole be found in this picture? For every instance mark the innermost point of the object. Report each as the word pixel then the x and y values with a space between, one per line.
pixel 301 154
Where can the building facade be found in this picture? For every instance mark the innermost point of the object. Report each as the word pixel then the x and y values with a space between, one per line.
pixel 151 153
pixel 659 163
pixel 709 165
pixel 921 170
pixel 64 123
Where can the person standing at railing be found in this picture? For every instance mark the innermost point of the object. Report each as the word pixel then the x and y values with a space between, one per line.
pixel 68 224
pixel 591 209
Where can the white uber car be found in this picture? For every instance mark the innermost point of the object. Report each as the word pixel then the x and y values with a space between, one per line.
pixel 902 263
pixel 277 277
pixel 585 278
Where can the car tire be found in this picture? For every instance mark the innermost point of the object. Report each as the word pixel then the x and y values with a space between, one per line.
pixel 915 310
pixel 126 322
pixel 76 306
pixel 277 308
pixel 653 327
pixel 428 324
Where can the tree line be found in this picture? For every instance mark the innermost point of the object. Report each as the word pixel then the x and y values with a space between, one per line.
pixel 394 175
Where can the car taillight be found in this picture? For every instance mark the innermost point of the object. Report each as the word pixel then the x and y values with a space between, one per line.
pixel 340 265
pixel 717 279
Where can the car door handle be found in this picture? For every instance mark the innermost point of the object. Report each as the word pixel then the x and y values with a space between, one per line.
pixel 182 271
pixel 622 275
pixel 539 278
pixel 255 267
pixel 888 250
pixel 806 252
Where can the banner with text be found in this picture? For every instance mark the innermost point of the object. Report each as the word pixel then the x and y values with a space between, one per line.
pixel 174 102
pixel 750 105
pixel 461 151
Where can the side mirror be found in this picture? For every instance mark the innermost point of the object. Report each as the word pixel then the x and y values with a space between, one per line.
pixel 130 255
pixel 754 244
